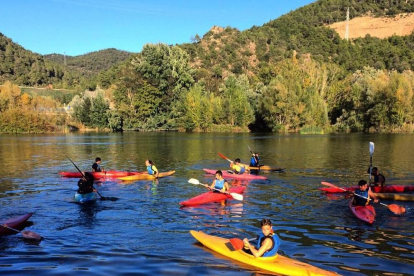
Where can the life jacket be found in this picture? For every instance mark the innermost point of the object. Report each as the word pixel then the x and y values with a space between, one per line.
pixel 254 161
pixel 276 243
pixel 219 184
pixel 377 178
pixel 358 200
pixel 151 170
pixel 85 186
pixel 239 169
pixel 98 167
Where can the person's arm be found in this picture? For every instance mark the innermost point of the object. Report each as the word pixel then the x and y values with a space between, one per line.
pixel 267 244
pixel 212 185
pixel 371 195
pixel 226 186
pixel 94 167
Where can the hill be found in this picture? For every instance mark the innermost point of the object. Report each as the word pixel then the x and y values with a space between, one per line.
pixel 381 27
pixel 93 62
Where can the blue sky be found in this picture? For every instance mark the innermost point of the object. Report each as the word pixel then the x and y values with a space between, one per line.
pixel 76 27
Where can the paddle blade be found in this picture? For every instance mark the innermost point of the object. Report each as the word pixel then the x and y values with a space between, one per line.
pixel 109 198
pixel 31 235
pixel 237 196
pixel 237 243
pixel 224 157
pixel 371 148
pixel 396 209
pixel 193 181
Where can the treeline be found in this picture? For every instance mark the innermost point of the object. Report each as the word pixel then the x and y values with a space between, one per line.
pixel 94 62
pixel 158 90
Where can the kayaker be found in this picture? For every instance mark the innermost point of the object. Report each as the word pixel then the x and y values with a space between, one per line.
pixel 85 184
pixel 219 183
pixel 237 167
pixel 267 244
pixel 96 167
pixel 379 179
pixel 254 160
pixel 152 170
pixel 361 192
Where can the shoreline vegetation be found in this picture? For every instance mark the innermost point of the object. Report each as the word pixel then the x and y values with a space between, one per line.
pixel 294 74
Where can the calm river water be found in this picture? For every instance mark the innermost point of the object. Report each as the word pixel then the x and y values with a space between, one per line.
pixel 146 232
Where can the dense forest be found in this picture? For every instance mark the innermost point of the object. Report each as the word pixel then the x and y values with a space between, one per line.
pixel 293 73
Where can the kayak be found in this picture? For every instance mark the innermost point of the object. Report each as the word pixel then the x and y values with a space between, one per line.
pixel 401 197
pixel 237 176
pixel 212 197
pixel 107 174
pixel 85 198
pixel 375 189
pixel 278 264
pixel 266 168
pixel 145 176
pixel 14 222
pixel 365 213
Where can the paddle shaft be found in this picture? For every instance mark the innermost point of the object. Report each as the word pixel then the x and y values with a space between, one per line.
pixel 8 227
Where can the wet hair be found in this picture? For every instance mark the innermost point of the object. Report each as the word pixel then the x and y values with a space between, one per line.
pixel 219 172
pixel 89 177
pixel 149 161
pixel 375 168
pixel 362 183
pixel 97 159
pixel 265 221
pixel 237 160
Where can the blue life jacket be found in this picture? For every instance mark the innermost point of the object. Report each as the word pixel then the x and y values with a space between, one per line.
pixel 359 201
pixel 219 184
pixel 150 170
pixel 276 243
pixel 254 161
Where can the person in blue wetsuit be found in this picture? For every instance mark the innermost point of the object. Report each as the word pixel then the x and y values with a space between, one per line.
pixel 219 183
pixel 267 244
pixel 361 192
pixel 254 160
pixel 152 170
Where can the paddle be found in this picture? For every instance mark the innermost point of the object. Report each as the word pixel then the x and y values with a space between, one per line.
pixel 83 175
pixel 26 234
pixel 234 195
pixel 224 157
pixel 371 152
pixel 396 209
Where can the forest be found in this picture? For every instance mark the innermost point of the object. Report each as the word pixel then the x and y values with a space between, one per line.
pixel 293 74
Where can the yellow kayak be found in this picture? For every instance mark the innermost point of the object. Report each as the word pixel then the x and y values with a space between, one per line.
pixel 395 196
pixel 277 264
pixel 267 168
pixel 145 176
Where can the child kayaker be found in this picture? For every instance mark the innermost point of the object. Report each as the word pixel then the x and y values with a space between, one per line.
pixel 379 179
pixel 96 167
pixel 152 170
pixel 219 183
pixel 237 167
pixel 254 160
pixel 361 192
pixel 267 244
pixel 85 184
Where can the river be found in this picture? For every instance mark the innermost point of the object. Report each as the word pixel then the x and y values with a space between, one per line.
pixel 146 232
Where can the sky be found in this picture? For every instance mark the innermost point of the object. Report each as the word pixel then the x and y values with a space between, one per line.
pixel 77 27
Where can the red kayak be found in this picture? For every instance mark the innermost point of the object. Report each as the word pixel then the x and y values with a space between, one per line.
pixel 365 213
pixel 237 176
pixel 375 189
pixel 212 197
pixel 107 174
pixel 15 222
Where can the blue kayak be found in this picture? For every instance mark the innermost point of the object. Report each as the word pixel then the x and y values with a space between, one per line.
pixel 85 198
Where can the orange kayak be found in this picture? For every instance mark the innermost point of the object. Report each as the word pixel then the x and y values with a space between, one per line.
pixel 145 176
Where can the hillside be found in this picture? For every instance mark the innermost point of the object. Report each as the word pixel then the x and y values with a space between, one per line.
pixel 381 27
pixel 94 62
